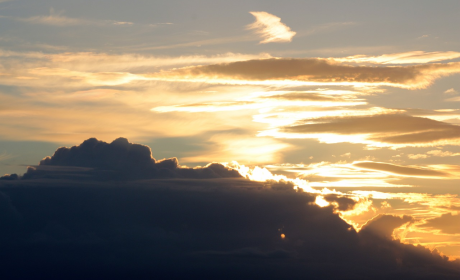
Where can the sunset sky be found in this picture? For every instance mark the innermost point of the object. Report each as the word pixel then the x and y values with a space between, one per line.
pixel 354 98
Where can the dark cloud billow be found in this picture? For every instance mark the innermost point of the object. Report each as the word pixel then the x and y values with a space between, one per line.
pixel 119 160
pixel 195 228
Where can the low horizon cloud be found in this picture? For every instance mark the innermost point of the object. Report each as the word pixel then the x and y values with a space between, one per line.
pixel 217 226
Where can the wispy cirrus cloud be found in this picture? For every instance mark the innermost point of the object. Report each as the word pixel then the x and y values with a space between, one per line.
pixel 37 68
pixel 451 91
pixel 270 28
pixel 270 100
pixel 57 18
pixel 5 156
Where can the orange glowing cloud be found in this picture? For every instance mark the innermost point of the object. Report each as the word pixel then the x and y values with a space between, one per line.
pixel 447 223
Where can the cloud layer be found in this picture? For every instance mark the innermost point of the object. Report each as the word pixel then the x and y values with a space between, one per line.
pixel 85 207
pixel 316 71
pixel 207 229
pixel 382 129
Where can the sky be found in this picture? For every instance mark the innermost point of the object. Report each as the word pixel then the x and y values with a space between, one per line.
pixel 357 99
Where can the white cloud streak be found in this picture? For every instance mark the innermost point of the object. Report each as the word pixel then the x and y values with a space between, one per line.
pixel 270 28
pixel 412 57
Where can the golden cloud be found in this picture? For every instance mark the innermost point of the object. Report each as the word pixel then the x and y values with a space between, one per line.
pixel 311 70
pixel 382 129
pixel 400 170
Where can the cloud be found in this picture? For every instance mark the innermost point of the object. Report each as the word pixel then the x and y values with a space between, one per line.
pixel 343 203
pixel 451 91
pixel 83 69
pixel 384 225
pixel 453 99
pixel 417 156
pixel 220 228
pixel 439 153
pixel 435 153
pixel 9 216
pixel 56 18
pixel 297 71
pixel 119 160
pixel 105 62
pixel 9 177
pixel 412 57
pixel 269 100
pixel 446 223
pixel 270 28
pixel 400 170
pixel 83 208
pixel 380 129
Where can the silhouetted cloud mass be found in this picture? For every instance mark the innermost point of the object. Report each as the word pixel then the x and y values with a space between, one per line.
pixel 184 227
pixel 9 177
pixel 384 225
pixel 94 159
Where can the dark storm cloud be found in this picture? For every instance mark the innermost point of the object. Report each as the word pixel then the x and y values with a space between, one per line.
pixel 119 160
pixel 9 216
pixel 178 228
pixel 202 229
